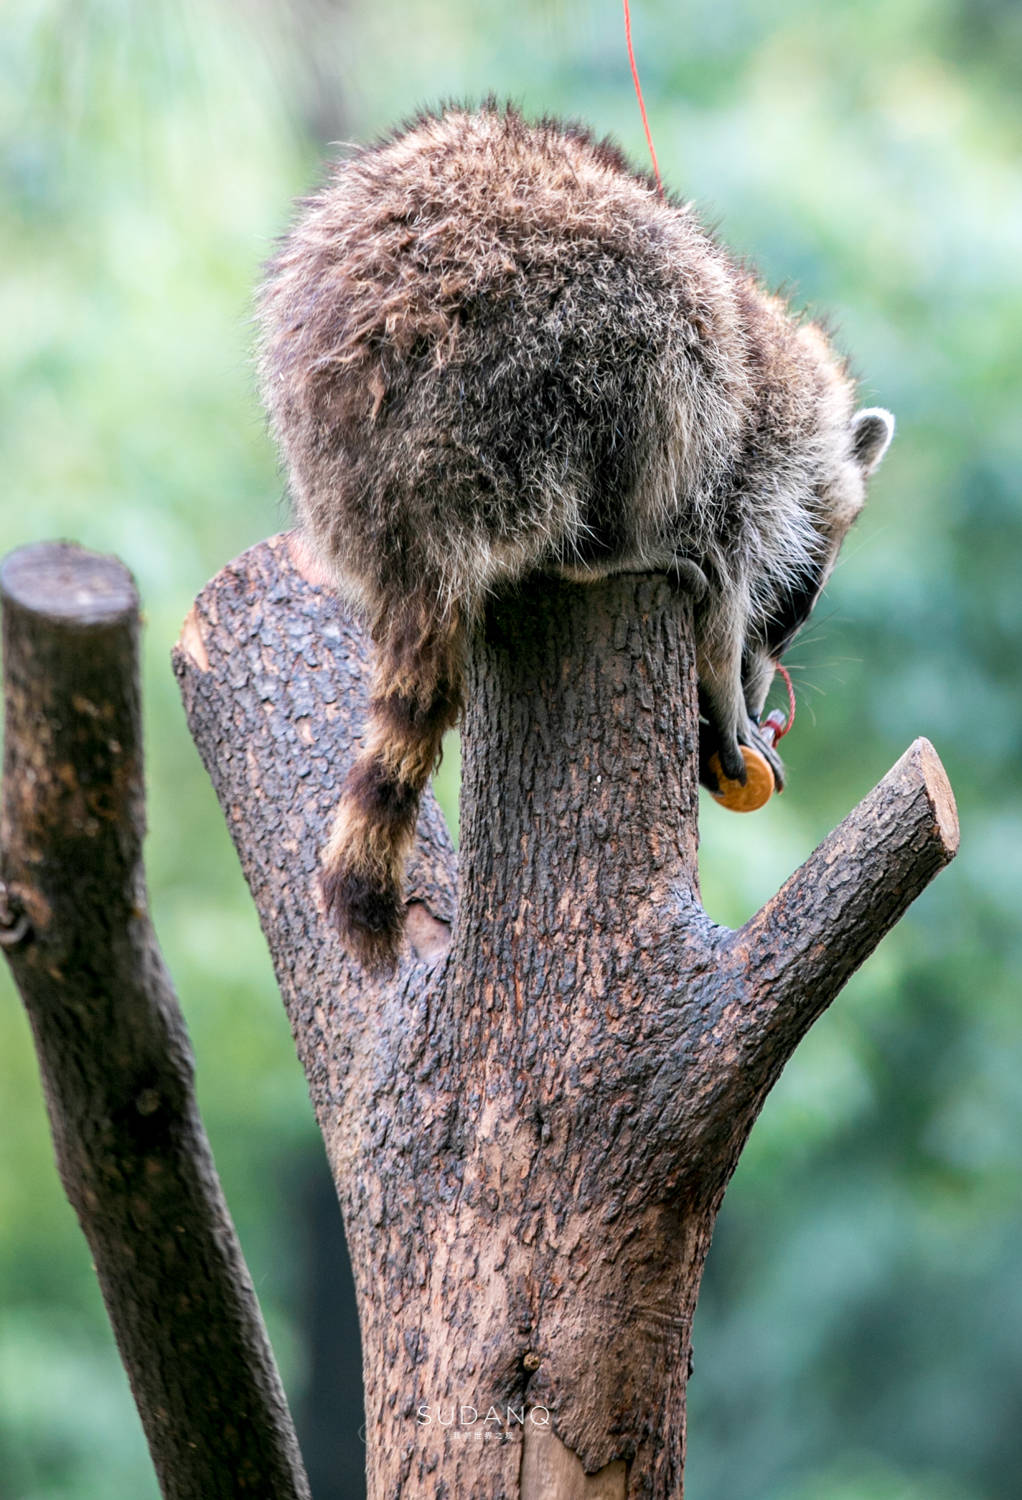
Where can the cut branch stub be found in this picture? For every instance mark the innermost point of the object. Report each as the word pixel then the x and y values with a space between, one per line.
pixel 113 1050
pixel 769 981
pixel 801 948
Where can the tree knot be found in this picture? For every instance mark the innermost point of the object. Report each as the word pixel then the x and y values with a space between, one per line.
pixel 15 927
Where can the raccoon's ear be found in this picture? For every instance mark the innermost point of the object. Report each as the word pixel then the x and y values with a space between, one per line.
pixel 872 431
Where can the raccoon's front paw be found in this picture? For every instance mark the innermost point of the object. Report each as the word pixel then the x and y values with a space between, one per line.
pixel 724 753
pixel 755 738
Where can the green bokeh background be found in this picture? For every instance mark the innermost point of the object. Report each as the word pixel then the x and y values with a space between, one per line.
pixel 860 1328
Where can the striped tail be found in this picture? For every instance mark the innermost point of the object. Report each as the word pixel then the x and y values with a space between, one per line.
pixel 416 697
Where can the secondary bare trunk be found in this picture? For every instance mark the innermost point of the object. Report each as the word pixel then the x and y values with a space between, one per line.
pixel 115 1057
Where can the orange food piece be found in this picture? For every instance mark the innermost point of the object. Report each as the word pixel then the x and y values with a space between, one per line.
pixel 758 788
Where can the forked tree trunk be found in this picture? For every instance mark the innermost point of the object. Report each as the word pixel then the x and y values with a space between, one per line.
pixel 532 1125
pixel 532 1129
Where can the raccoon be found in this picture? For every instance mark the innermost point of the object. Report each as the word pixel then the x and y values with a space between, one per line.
pixel 491 347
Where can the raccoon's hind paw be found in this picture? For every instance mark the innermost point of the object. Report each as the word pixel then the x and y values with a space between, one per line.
pixel 368 915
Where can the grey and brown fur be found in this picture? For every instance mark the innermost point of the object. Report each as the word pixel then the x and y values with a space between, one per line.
pixel 491 347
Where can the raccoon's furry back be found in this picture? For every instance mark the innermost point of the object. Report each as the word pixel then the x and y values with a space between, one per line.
pixel 488 347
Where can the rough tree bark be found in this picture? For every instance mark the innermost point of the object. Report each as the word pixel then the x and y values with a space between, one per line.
pixel 531 1126
pixel 115 1058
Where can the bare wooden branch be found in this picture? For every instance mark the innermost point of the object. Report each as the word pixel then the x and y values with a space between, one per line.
pixel 762 987
pixel 801 948
pixel 113 1050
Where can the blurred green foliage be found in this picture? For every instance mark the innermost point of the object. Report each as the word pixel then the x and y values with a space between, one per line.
pixel 860 1327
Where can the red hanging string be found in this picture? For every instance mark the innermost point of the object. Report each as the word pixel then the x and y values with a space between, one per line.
pixel 660 188
pixel 638 95
pixel 791 703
